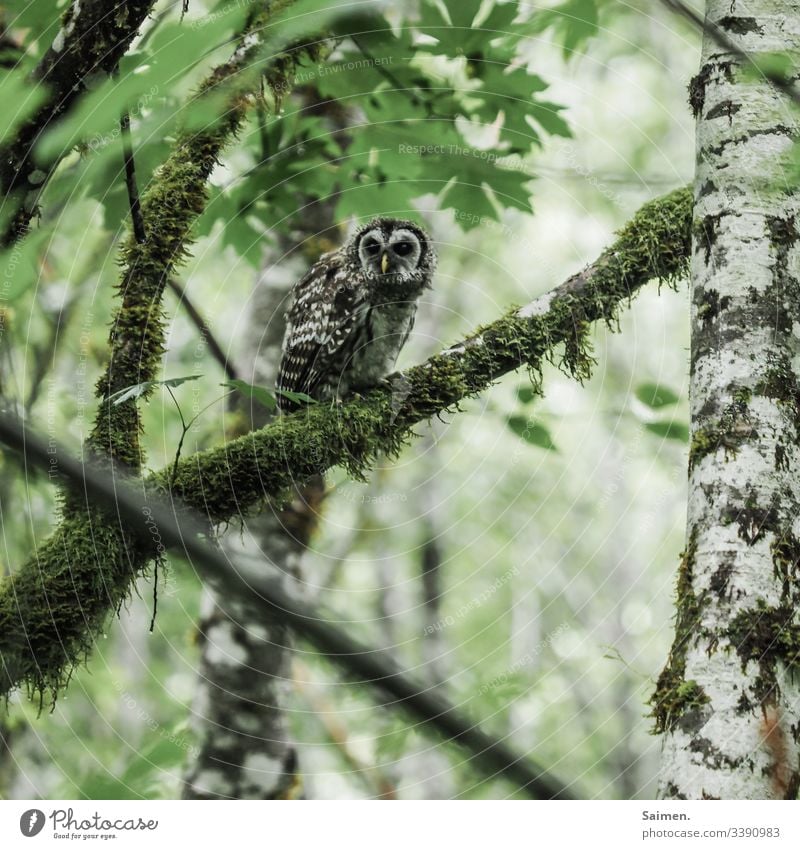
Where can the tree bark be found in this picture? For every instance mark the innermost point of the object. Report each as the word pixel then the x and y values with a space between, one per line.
pixel 728 701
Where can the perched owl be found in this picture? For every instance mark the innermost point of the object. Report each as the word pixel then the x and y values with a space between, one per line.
pixel 354 310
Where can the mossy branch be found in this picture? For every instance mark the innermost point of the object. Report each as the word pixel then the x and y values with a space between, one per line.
pixel 93 38
pixel 224 481
pixel 169 208
pixel 53 606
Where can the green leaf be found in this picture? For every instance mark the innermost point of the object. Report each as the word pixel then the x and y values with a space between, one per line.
pixel 526 394
pixel 574 22
pixel 40 15
pixel 21 99
pixel 139 389
pixel 669 430
pixel 513 92
pixel 256 393
pixel 532 432
pixel 21 264
pixel 468 31
pixel 656 396
pixel 297 397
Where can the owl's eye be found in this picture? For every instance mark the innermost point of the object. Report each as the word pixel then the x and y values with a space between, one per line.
pixel 371 247
pixel 403 248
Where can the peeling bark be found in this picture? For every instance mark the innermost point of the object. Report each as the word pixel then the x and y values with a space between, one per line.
pixel 728 700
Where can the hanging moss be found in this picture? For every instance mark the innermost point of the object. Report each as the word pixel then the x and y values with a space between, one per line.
pixel 237 476
pixel 675 699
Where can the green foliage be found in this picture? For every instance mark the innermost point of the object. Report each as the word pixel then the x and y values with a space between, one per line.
pixel 41 16
pixel 532 432
pixel 16 89
pixel 257 393
pixel 655 395
pixel 574 23
pixel 410 103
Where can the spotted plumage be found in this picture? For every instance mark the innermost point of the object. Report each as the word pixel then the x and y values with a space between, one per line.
pixel 353 311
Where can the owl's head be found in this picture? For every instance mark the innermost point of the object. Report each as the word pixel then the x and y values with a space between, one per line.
pixel 390 248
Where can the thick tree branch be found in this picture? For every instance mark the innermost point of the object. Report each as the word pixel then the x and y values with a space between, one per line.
pixel 54 604
pixel 94 37
pixel 259 595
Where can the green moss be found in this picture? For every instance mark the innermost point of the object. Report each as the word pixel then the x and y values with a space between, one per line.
pixel 54 606
pixel 172 204
pixel 730 431
pixel 785 550
pixel 51 613
pixel 675 699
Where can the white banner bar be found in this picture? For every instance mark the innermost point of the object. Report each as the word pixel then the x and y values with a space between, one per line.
pixel 402 825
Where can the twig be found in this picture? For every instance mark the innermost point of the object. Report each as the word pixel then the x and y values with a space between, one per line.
pixel 205 331
pixel 137 219
pixel 780 81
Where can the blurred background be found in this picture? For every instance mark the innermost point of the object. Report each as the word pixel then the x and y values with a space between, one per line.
pixel 519 555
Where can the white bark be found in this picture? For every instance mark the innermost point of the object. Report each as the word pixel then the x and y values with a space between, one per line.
pixel 727 701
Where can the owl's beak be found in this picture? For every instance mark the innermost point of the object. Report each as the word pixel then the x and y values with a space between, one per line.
pixel 384 263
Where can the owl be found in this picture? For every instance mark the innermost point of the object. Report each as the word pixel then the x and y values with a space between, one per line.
pixel 354 310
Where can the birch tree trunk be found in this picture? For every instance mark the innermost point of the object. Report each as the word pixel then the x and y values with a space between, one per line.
pixel 728 700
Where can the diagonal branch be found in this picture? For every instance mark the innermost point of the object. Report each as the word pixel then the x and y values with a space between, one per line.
pixel 54 604
pixel 155 525
pixel 94 37
pixel 227 480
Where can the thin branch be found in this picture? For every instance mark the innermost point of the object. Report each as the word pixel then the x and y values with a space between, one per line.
pixel 780 81
pixel 205 331
pixel 137 220
pixel 156 524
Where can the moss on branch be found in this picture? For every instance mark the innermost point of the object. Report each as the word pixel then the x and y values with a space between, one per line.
pixel 41 643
